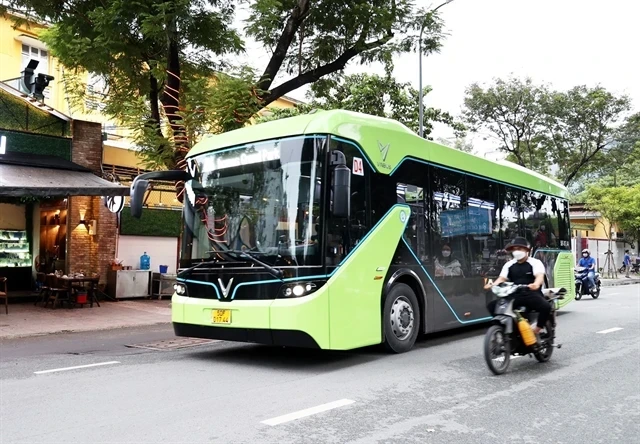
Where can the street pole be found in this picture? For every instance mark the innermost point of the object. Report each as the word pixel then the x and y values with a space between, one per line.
pixel 421 110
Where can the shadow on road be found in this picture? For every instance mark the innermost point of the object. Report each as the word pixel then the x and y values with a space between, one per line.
pixel 288 358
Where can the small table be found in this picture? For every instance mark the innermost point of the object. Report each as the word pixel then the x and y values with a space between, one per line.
pixel 164 282
pixel 92 281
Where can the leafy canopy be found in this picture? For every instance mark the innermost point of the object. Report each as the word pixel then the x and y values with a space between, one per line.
pixel 312 39
pixel 538 127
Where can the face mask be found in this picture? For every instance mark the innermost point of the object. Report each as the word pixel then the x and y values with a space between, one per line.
pixel 519 255
pixel 446 253
pixel 585 255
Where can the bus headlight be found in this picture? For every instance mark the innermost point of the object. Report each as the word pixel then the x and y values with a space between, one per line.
pixel 180 289
pixel 299 289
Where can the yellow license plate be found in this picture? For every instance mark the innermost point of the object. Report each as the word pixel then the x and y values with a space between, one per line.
pixel 221 316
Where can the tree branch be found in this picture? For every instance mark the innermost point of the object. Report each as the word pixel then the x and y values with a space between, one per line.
pixel 315 74
pixel 297 16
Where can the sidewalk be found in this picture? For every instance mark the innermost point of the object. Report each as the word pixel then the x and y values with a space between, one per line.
pixel 25 319
pixel 634 279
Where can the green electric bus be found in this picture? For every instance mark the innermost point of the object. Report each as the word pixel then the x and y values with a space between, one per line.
pixel 340 230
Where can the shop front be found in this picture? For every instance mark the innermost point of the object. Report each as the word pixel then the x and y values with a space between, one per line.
pixel 53 218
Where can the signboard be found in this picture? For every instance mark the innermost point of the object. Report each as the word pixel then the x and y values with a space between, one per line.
pixel 471 220
pixel 358 167
pixel 115 204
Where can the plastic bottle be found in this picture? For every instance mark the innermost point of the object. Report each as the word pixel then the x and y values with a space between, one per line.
pixel 145 261
pixel 526 331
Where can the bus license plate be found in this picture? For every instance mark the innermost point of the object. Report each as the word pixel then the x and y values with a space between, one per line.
pixel 221 316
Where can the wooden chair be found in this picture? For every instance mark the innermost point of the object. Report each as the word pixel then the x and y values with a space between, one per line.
pixel 56 293
pixel 4 294
pixel 44 290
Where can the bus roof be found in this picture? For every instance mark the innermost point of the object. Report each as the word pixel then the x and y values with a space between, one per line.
pixel 386 143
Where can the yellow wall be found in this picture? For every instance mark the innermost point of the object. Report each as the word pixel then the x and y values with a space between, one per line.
pixel 599 230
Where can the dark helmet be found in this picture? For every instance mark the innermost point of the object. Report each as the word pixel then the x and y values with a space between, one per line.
pixel 518 242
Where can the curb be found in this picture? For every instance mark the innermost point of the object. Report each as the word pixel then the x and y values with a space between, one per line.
pixel 620 284
pixel 64 332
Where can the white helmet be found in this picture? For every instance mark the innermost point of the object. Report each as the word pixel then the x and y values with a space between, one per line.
pixel 586 250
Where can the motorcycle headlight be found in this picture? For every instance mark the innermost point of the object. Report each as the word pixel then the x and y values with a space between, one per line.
pixel 180 289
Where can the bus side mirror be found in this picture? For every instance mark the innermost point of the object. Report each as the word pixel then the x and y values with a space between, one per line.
pixel 138 188
pixel 341 186
pixel 141 183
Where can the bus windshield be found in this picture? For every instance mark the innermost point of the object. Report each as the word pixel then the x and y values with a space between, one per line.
pixel 261 198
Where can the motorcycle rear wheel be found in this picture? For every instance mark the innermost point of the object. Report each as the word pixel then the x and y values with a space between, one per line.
pixel 495 341
pixel 544 354
pixel 597 293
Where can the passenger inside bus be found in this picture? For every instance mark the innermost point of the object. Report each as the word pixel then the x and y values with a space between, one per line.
pixel 446 264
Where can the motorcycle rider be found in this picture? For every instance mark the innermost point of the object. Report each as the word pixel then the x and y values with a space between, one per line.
pixel 590 263
pixel 524 270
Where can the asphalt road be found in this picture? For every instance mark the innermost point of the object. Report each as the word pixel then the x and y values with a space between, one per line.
pixel 441 392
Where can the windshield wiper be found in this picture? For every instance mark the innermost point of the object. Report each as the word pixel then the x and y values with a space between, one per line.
pixel 275 272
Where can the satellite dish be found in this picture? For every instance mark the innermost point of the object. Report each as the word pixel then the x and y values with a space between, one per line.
pixel 115 204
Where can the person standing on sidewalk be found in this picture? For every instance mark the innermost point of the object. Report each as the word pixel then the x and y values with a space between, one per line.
pixel 627 263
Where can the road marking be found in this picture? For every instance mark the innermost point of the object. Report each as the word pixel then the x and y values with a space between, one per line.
pixel 609 330
pixel 307 412
pixel 64 369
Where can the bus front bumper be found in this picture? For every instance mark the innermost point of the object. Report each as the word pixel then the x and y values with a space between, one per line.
pixel 297 322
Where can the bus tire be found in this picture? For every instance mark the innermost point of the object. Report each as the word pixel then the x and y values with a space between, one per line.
pixel 400 319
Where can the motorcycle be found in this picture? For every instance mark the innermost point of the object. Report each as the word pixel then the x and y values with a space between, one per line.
pixel 582 284
pixel 505 339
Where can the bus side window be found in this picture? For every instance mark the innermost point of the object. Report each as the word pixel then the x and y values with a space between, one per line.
pixel 509 222
pixel 447 223
pixel 415 232
pixel 483 227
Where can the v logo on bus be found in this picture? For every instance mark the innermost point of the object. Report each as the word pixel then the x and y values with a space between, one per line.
pixel 384 150
pixel 225 290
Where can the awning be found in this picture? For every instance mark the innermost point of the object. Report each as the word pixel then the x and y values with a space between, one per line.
pixel 19 181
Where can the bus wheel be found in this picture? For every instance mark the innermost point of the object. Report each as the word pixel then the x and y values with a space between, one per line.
pixel 401 318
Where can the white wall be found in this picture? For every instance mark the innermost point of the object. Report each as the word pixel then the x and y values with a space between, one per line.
pixel 162 250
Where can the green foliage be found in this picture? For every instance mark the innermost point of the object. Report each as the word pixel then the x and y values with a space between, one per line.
pixel 161 223
pixel 619 205
pixel 283 113
pixel 16 114
pixel 510 111
pixel 376 95
pixel 580 124
pixel 37 144
pixel 311 40
pixel 133 45
pixel 537 126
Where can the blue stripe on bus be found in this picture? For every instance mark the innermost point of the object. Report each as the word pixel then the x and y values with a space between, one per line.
pixel 438 289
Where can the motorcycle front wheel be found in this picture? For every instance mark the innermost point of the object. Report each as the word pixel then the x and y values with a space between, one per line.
pixel 578 292
pixel 497 350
